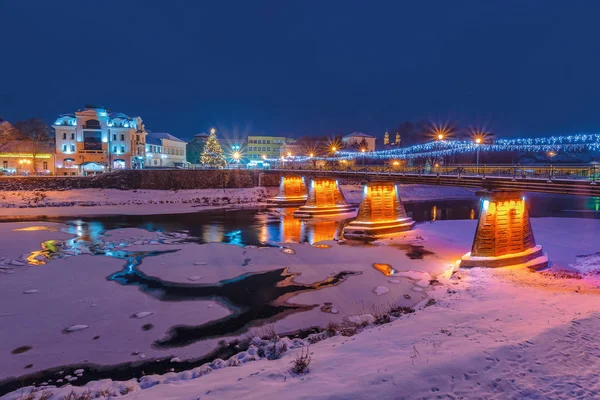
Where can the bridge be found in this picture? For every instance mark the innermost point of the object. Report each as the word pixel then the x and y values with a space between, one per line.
pixel 578 180
pixel 503 236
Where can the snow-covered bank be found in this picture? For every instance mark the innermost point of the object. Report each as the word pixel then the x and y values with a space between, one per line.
pixel 131 202
pixel 478 341
pixel 467 344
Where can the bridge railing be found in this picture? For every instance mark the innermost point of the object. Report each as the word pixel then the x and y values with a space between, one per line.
pixel 547 172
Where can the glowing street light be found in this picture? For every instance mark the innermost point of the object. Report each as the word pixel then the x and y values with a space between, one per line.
pixel 289 154
pixel 264 156
pixel 396 163
pixel 363 155
pixel 236 156
pixel 440 136
pixel 478 141
pixel 311 155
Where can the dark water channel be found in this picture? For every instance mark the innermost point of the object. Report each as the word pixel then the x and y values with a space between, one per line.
pixel 253 298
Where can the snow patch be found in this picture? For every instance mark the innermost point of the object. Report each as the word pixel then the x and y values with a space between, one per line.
pixel 381 290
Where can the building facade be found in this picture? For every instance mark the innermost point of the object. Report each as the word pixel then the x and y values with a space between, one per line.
pixel 195 147
pixel 359 141
pixel 94 140
pixel 165 150
pixel 267 146
pixel 22 156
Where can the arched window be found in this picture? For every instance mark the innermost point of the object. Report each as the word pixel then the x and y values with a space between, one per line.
pixel 92 124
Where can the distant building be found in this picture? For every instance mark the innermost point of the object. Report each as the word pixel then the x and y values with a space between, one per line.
pixel 94 140
pixel 165 150
pixel 19 156
pixel 293 150
pixel 195 147
pixel 359 140
pixel 267 146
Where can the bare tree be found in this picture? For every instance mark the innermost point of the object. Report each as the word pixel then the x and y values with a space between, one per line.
pixel 8 133
pixel 37 133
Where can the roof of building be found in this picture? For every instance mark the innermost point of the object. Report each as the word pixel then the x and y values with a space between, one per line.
pixel 119 115
pixel 27 146
pixel 156 138
pixel 201 135
pixel 358 135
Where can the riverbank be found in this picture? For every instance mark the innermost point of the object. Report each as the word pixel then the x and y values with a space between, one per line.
pixel 23 205
pixel 467 343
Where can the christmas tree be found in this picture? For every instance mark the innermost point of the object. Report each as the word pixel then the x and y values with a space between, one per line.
pixel 397 143
pixel 386 138
pixel 212 155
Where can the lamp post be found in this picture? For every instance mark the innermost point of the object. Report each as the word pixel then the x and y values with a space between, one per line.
pixel 551 155
pixel 440 137
pixel 363 155
pixel 477 142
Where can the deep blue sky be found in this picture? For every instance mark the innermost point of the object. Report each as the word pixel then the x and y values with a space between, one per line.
pixel 306 67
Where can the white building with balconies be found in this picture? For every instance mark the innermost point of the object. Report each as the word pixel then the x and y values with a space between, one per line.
pixel 94 140
pixel 165 150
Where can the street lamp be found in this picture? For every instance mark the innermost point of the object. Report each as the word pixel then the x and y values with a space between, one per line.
pixel 363 155
pixel 478 142
pixel 440 137
pixel 264 156
pixel 311 155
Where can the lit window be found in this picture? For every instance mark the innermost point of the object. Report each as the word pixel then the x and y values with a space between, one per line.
pixel 45 165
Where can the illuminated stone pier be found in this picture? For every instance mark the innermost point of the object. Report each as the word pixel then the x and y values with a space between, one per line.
pixel 325 200
pixel 381 213
pixel 504 236
pixel 292 192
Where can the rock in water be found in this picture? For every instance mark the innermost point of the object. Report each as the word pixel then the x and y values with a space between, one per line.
pixel 74 328
pixel 142 314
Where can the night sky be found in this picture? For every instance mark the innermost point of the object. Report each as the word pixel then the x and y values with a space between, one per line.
pixel 521 68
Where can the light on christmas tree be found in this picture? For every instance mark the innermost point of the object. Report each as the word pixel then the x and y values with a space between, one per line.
pixel 212 155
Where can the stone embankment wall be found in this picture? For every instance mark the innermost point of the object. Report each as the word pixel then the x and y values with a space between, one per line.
pixel 139 179
pixel 153 180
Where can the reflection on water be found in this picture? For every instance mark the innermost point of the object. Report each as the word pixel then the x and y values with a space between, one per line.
pixel 268 227
pixel 33 228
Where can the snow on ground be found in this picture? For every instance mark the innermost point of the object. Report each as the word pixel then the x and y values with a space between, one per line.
pixel 492 334
pixel 113 201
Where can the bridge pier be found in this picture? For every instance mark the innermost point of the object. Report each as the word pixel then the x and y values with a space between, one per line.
pixel 292 192
pixel 381 213
pixel 504 236
pixel 325 199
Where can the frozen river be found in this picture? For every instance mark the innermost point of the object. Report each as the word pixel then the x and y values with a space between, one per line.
pixel 119 296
